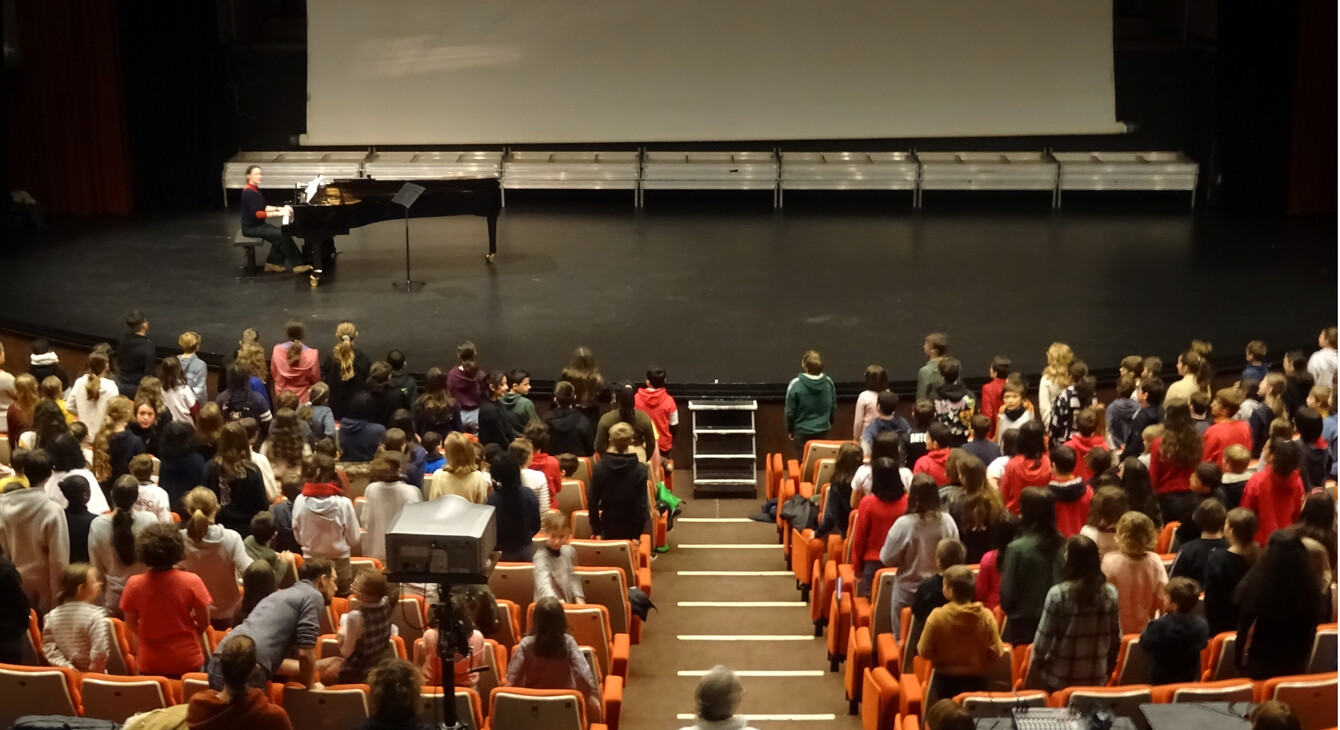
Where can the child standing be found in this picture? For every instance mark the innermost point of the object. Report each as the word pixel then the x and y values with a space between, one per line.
pixel 1191 559
pixel 923 413
pixel 465 384
pixel 1109 504
pixel 876 382
pixel 960 638
pixel 386 496
pixel 1015 410
pixel 324 522
pixel 1224 570
pixel 1175 640
pixel 930 595
pixel 291 486
pixel 152 497
pixel 1236 459
pixel 75 633
pixel 554 575
pixel 1226 430
pixel 1121 410
pixel 1089 424
pixel 913 540
pixel 322 420
pixel 1069 492
pixel 1136 571
pixel 657 403
pixel 1275 494
pixel 993 393
pixel 432 443
pixel 811 403
pixel 934 463
pixel 1256 367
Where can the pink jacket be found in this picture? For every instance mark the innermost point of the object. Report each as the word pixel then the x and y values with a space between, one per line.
pixel 299 378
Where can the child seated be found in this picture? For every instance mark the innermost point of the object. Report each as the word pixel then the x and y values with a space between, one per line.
pixel 431 665
pixel 960 638
pixel 1234 478
pixel 322 422
pixel 554 575
pixel 1136 571
pixel 1209 518
pixel 75 632
pixel 152 497
pixel 364 635
pixel 1069 492
pixel 1174 640
pixel 432 443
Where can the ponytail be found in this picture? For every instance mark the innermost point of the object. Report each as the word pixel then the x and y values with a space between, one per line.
pixel 294 353
pixel 124 494
pixel 198 525
pixel 97 367
pixel 344 349
pixel 118 412
pixel 295 332
pixel 1204 374
pixel 202 504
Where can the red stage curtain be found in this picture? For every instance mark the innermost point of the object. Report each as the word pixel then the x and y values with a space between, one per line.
pixel 68 137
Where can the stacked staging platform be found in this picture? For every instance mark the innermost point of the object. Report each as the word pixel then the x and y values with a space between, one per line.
pixel 573 171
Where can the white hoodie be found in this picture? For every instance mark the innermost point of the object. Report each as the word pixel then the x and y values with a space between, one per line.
pixel 97 501
pixel 385 500
pixel 219 559
pixel 325 527
pixel 34 535
pixel 103 556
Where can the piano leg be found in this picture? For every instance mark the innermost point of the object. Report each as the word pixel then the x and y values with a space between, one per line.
pixel 493 239
pixel 320 253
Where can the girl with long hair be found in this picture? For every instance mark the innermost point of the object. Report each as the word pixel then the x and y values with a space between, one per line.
pixel 1275 493
pixel 216 554
pixel 1196 373
pixel 1282 599
pixel 258 581
pixel 1031 566
pixel 345 370
pixel 1137 571
pixel 74 633
pixel 178 396
pixel 239 400
pixel 517 510
pixel 587 382
pixel 888 444
pixel 867 409
pixel 148 422
pixel 1029 467
pixel 237 705
pixel 494 425
pixel 386 495
pixel 911 543
pixel 876 514
pixel 208 426
pixel 235 479
pixel 252 357
pixel 625 411
pixel 19 417
pixel 67 459
pixel 461 475
pixel 837 510
pixel 1225 569
pixel 1139 489
pixel 90 394
pixel 286 447
pixel 51 389
pixel 1271 392
pixel 1173 458
pixel 48 424
pixel 465 384
pixel 111 540
pixel 324 521
pixel 293 365
pixel 977 510
pixel 1055 378
pixel 394 697
pixel 435 410
pixel 429 664
pixel 1080 614
pixel 1106 509
pixel 320 419
pixel 115 446
pixel 1317 521
pixel 549 658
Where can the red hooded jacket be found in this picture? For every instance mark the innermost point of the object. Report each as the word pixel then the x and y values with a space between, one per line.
pixel 933 463
pixel 1276 500
pixel 1020 472
pixel 660 407
pixel 1082 446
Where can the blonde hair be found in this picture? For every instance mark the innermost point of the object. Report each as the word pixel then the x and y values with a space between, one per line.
pixel 26 394
pixel 1136 534
pixel 1059 357
pixel 189 342
pixel 252 357
pixel 119 411
pixel 51 388
pixel 150 391
pixel 521 451
pixel 621 437
pixel 203 505
pixel 552 522
pixel 1150 433
pixel 460 454
pixel 209 423
pixel 344 348
pixel 96 370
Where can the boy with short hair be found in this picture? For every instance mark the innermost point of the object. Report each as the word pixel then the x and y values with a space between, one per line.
pixel 1150 397
pixel 960 639
pixel 554 574
pixel 1086 439
pixel 1256 367
pixel 519 409
pixel 538 435
pixel 655 401
pixel 403 383
pixel 258 545
pixel 1121 410
pixel 1175 640
pixel 432 443
pixel 1316 455
pixel 533 479
pixel 993 392
pixel 1225 431
pixel 1015 409
pixel 197 372
pixel 981 444
pixel 887 420
pixel 923 415
pixel 811 403
pixel 954 403
pixel 1236 459
pixel 291 486
pixel 1069 491
pixel 930 595
pixel 1209 518
pixel 153 499
pixel 1199 403
pixel 937 454
pixel 934 347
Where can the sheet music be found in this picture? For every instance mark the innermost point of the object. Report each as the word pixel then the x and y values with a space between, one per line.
pixel 312 186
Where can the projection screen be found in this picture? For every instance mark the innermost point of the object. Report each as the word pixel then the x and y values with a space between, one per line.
pixel 422 72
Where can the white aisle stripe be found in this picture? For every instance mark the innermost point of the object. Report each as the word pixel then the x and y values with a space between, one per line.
pixel 769 718
pixel 734 546
pixel 746 637
pixel 717 519
pixel 740 604
pixel 759 672
pixel 736 573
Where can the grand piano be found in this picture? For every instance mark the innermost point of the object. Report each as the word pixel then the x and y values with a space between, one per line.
pixel 339 206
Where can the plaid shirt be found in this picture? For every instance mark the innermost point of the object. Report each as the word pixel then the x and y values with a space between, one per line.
pixel 1077 643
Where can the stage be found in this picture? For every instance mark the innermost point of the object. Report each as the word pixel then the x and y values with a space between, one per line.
pixel 718 289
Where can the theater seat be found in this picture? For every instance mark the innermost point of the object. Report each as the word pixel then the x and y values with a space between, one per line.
pixel 880 708
pixel 1228 690
pixel 518 708
pixel 1132 662
pixel 1323 650
pixel 1122 701
pixel 982 705
pixel 509 625
pixel 37 691
pixel 119 659
pixel 607 587
pixel 116 698
pixel 633 560
pixel 469 707
pixel 571 496
pixel 514 582
pixel 1223 661
pixel 337 707
pixel 1166 535
pixel 610 690
pixel 1312 697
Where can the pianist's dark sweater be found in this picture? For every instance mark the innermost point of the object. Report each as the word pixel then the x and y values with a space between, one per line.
pixel 253 207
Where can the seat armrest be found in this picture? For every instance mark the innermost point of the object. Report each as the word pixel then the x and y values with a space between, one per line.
pixel 612 700
pixel 644 580
pixel 619 656
pixel 861 612
pixel 910 698
pixel 888 654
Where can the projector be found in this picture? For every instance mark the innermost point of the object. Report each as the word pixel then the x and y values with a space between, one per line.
pixel 447 541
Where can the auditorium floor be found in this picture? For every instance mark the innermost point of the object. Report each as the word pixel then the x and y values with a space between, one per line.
pixel 721 288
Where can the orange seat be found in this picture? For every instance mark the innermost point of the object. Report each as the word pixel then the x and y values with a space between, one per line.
pixel 633 560
pixel 432 711
pixel 28 690
pixel 1122 701
pixel 1222 663
pixel 556 709
pixel 115 697
pixel 1228 690
pixel 880 710
pixel 1311 696
pixel 1166 535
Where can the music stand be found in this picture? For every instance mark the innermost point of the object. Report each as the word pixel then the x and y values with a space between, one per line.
pixel 409 192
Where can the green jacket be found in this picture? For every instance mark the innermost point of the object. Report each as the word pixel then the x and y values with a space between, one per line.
pixel 811 404
pixel 520 411
pixel 1026 575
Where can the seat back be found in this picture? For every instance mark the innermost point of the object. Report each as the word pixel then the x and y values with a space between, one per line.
pixel 469 707
pixel 583 473
pixel 1223 662
pixel 517 708
pixel 338 707
pixel 514 582
pixel 1122 701
pixel 509 625
pixel 608 554
pixel 1165 541
pixel 814 451
pixel 37 691
pixel 410 618
pixel 982 705
pixel 1323 651
pixel 1311 696
pixel 119 660
pixel 593 662
pixel 116 698
pixel 494 662
pixel 32 645
pixel 881 602
pixel 1132 662
pixel 1001 673
pixel 581 525
pixel 606 587
pixel 1242 691
pixel 571 496
pixel 910 641
pixel 823 470
pixel 590 626
pixel 191 683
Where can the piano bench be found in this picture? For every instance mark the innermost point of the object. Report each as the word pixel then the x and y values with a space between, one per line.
pixel 249 268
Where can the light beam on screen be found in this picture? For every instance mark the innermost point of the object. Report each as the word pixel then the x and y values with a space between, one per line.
pixel 388 58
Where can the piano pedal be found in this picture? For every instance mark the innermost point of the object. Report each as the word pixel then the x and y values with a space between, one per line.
pixel 488 258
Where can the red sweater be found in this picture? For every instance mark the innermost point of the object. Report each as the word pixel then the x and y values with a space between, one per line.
pixel 548 465
pixel 933 463
pixel 1222 435
pixel 1082 446
pixel 873 520
pixel 1072 512
pixel 1020 473
pixel 1276 500
pixel 1167 475
pixel 993 398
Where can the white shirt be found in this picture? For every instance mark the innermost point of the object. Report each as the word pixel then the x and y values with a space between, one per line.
pixel 539 484
pixel 34 535
pixel 1322 365
pixel 861 482
pixel 97 501
pixel 325 527
pixel 384 502
pixel 154 500
pixel 103 556
pixel 75 635
pixel 262 463
pixel 6 398
pixel 219 559
pixel 995 470
pixel 87 410
pixel 179 401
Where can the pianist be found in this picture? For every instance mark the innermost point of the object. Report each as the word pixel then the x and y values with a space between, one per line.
pixel 283 252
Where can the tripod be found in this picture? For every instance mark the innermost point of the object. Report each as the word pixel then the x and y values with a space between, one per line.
pixel 452 641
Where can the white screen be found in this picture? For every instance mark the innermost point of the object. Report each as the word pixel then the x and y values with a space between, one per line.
pixel 410 72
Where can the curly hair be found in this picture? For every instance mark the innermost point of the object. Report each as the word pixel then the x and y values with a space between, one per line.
pixel 160 546
pixel 1181 443
pixel 1136 534
pixel 395 687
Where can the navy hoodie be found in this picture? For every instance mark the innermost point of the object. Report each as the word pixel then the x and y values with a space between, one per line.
pixel 618 497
